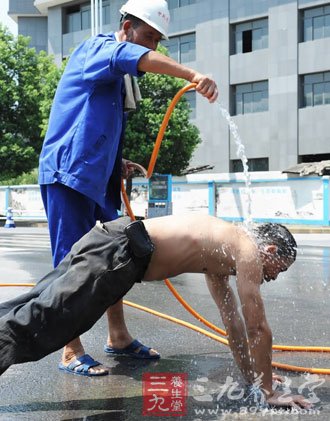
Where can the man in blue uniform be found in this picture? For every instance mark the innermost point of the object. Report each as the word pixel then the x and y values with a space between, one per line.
pixel 81 161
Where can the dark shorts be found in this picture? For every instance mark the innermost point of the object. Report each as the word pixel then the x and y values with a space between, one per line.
pixel 100 269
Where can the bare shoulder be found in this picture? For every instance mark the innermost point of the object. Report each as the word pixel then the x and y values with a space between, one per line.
pixel 197 227
pixel 195 222
pixel 195 243
pixel 245 241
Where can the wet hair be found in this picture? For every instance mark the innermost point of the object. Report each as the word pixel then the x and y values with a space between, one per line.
pixel 278 235
pixel 135 21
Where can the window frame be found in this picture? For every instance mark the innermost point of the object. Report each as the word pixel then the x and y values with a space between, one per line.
pixel 309 16
pixel 253 163
pixel 245 97
pixel 174 4
pixel 78 11
pixel 310 82
pixel 252 27
pixel 191 98
pixel 174 47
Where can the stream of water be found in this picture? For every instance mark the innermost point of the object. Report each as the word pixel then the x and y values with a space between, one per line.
pixel 240 152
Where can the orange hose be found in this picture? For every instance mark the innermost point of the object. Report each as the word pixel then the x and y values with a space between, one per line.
pixel 126 201
pixel 178 321
pixel 164 125
pixel 299 348
pixel 287 367
pixel 17 285
pixel 192 311
pixel 290 367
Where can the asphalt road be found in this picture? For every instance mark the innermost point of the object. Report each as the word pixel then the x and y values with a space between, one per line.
pixel 297 310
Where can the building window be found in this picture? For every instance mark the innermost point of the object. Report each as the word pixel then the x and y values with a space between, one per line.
pixel 250 97
pixel 314 158
pixel 316 89
pixel 106 13
pixel 316 23
pixel 73 19
pixel 78 18
pixel 254 164
pixel 182 48
pixel 191 98
pixel 250 36
pixel 173 4
pixel 85 17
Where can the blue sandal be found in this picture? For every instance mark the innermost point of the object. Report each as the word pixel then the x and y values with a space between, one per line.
pixel 81 366
pixel 131 351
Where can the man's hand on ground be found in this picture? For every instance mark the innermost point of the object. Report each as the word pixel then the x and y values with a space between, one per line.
pixel 284 400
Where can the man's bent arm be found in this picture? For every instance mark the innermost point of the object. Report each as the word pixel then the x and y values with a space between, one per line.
pixel 225 300
pixel 155 62
pixel 259 334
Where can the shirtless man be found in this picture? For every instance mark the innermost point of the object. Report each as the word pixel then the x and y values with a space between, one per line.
pixel 106 262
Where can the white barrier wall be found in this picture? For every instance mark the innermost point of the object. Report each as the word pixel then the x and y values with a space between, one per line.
pixel 190 198
pixel 25 201
pixel 3 201
pixel 298 200
pixel 275 197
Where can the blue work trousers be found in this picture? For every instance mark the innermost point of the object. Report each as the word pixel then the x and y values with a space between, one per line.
pixel 70 216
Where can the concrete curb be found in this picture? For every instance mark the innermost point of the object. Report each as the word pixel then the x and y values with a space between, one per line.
pixel 308 229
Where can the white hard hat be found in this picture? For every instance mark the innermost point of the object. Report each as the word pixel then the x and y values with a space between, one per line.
pixel 153 12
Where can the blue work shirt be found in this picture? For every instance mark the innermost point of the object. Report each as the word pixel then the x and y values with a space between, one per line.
pixel 82 147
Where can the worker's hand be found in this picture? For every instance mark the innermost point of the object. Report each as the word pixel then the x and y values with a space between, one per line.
pixel 128 168
pixel 205 86
pixel 287 400
pixel 277 378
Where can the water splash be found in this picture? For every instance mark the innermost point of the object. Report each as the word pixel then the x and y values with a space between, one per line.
pixel 240 152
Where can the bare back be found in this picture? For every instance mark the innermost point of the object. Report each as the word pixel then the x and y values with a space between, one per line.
pixel 192 243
